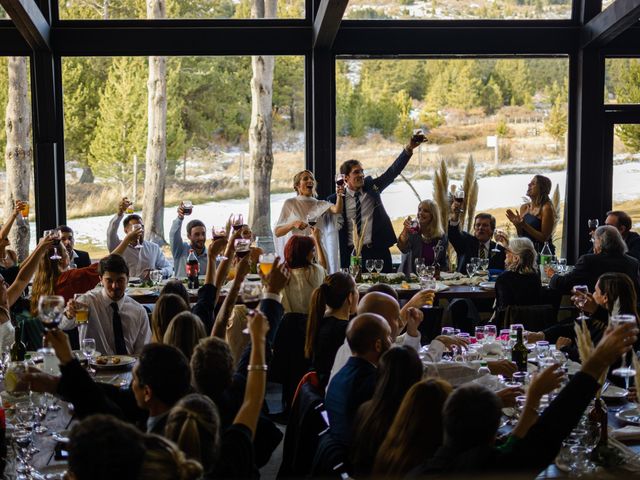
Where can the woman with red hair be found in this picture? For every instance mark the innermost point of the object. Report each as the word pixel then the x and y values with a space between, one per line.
pixel 306 275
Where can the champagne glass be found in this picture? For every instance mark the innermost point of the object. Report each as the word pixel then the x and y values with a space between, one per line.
pixel 593 224
pixel 88 349
pixel 626 371
pixel 218 234
pixel 50 309
pixel 138 227
pixel 379 265
pixel 581 291
pixel 82 316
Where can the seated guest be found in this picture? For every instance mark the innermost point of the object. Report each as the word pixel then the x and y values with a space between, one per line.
pixel 622 221
pixel 479 244
pixel 197 236
pixel 520 283
pixel 369 337
pixel 416 431
pixel 163 460
pixel 398 370
pixel 139 260
pixel 421 241
pixel 472 414
pixel 195 426
pixel 536 219
pixel 184 332
pixel 78 258
pixel 614 294
pixel 167 307
pixel 101 447
pixel 306 275
pixel 118 323
pixel 609 255
pixel 332 303
pixel 8 257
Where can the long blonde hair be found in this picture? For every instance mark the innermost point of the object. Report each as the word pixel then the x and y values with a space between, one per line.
pixel 184 332
pixel 434 229
pixel 46 278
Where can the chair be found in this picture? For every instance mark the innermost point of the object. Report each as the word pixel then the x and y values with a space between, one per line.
pixel 431 326
pixel 534 317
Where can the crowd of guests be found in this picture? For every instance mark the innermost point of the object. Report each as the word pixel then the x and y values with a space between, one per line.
pixel 357 398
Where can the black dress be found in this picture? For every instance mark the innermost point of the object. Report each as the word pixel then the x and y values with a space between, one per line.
pixel 329 339
pixel 514 288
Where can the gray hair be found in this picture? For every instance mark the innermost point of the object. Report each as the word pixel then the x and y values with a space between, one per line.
pixel 610 240
pixel 527 256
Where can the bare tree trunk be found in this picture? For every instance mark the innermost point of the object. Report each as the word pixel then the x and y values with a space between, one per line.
pixel 18 154
pixel 156 159
pixel 261 134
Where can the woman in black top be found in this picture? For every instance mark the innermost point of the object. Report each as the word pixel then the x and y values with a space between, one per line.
pixel 332 303
pixel 520 283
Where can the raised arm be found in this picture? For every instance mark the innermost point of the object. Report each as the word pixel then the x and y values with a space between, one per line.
pixel 403 238
pixel 27 269
pixel 322 259
pixel 256 374
pixel 547 221
pixel 129 237
pixel 112 230
pixel 387 178
pixel 6 228
pixel 339 205
pixel 222 319
pixel 175 236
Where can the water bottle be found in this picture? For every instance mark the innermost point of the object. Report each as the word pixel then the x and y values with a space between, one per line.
pixel 545 259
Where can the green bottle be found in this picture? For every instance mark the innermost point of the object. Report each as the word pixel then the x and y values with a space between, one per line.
pixel 18 349
pixel 519 353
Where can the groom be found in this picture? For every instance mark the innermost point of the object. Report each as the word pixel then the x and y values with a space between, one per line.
pixel 363 206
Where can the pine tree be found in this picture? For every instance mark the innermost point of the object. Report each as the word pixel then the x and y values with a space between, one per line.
pixel 629 92
pixel 556 122
pixel 404 125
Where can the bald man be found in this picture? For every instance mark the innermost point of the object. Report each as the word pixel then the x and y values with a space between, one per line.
pixel 368 336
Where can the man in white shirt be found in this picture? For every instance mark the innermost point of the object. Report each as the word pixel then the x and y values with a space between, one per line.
pixel 119 324
pixel 141 259
pixel 197 236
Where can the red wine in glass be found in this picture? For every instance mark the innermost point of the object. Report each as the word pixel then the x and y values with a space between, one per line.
pixel 252 303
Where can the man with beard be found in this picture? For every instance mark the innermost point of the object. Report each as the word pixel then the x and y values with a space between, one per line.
pixel 197 235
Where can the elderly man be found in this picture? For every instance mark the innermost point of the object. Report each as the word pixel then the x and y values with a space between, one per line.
pixel 622 221
pixel 609 255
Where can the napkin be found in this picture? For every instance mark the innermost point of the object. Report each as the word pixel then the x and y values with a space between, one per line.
pixel 630 432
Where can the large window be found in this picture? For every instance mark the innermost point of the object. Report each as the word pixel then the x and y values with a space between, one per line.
pixel 626 170
pixel 126 9
pixel 458 9
pixel 622 80
pixel 16 147
pixel 509 115
pixel 208 156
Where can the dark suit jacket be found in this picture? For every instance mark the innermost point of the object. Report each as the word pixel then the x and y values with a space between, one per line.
pixel 382 234
pixel 350 387
pixel 83 259
pixel 466 247
pixel 633 244
pixel 590 266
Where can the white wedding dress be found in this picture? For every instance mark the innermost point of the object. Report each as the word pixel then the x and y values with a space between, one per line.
pixel 299 208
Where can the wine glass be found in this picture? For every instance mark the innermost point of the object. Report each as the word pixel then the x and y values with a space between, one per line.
pixel 543 350
pixel 243 247
pixel 187 207
pixel 156 277
pixel 437 251
pixel 562 265
pixel 490 332
pixel 458 195
pixel 430 270
pixel 56 236
pixel 379 265
pixel 251 293
pixel 624 370
pixel 370 264
pixel 138 227
pixel 581 291
pixel 593 224
pixel 471 270
pixel 312 220
pixel 88 349
pixel 218 234
pixel 496 234
pixel 339 179
pixel 50 309
pixel 237 221
pixel 418 262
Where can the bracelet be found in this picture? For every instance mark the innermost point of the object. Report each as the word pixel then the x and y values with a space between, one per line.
pixel 263 368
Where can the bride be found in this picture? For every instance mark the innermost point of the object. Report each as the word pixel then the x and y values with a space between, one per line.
pixel 304 211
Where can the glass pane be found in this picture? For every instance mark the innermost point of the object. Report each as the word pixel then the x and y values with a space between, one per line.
pixel 606 3
pixel 458 9
pixel 207 139
pixel 16 156
pixel 622 80
pixel 3 14
pixel 509 115
pixel 626 170
pixel 125 9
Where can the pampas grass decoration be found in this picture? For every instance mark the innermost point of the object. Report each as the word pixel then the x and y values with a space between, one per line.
pixel 471 205
pixel 441 193
pixel 555 200
pixel 467 183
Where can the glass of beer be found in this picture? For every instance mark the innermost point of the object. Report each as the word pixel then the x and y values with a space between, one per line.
pixel 130 208
pixel 24 210
pixel 266 263
pixel 82 309
pixel 187 207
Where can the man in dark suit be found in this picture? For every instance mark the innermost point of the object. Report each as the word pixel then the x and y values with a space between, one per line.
pixel 363 205
pixel 368 335
pixel 609 256
pixel 479 244
pixel 78 258
pixel 622 221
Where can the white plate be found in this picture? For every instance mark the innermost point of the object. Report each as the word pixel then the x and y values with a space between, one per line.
pixel 140 291
pixel 629 415
pixel 125 360
pixel 488 285
pixel 613 392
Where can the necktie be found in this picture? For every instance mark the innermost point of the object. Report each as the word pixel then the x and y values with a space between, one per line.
pixel 118 335
pixel 358 212
pixel 483 252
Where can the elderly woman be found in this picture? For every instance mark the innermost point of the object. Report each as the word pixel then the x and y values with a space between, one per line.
pixel 609 255
pixel 520 283
pixel 303 212
pixel 537 217
pixel 423 238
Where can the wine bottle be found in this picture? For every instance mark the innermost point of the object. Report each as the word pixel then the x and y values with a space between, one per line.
pixel 18 349
pixel 519 353
pixel 193 269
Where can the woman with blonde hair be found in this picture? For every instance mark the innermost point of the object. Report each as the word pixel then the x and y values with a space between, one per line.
pixel 184 332
pixel 416 432
pixel 536 218
pixel 303 213
pixel 520 283
pixel 164 460
pixel 168 306
pixel 423 238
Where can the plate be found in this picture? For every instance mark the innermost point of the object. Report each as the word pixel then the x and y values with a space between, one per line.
pixel 629 415
pixel 613 392
pixel 488 285
pixel 120 361
pixel 140 291
pixel 253 277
